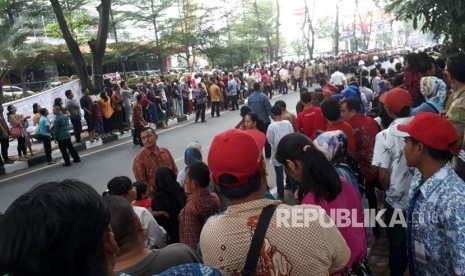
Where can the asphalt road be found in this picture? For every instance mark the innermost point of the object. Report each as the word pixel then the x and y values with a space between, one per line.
pixel 99 165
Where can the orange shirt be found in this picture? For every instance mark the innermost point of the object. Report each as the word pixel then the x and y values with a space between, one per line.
pixel 215 93
pixel 107 110
pixel 347 128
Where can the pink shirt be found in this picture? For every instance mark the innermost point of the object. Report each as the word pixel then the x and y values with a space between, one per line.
pixel 354 236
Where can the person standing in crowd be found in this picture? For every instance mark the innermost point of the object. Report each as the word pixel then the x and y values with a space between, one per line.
pixel 267 84
pixel 117 106
pixel 394 175
pixel 225 239
pixel 126 95
pixel 62 217
pixel 192 154
pixel 261 105
pixel 286 114
pixel 332 113
pixel 168 197
pixel 86 105
pixel 365 130
pixel 200 103
pixel 134 258
pixel 436 205
pixel 107 111
pixel 151 158
pixel 62 136
pixel 310 73
pixel 297 75
pixel 74 111
pixel 4 138
pixel 412 78
pixel 16 121
pixel 283 78
pixel 154 236
pixel 45 132
pixel 311 119
pixel 215 94
pixel 320 184
pixel 137 121
pixel 276 131
pixel 232 92
pixel 200 204
pixel 338 79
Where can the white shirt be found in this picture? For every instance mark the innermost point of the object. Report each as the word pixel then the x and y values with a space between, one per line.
pixel 155 235
pixel 276 131
pixel 389 154
pixel 338 78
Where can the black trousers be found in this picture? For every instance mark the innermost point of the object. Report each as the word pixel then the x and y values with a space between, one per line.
pixel 77 127
pixel 65 145
pixel 118 120
pixel 216 109
pixel 397 242
pixel 5 144
pixel 136 135
pixel 264 129
pixel 21 146
pixel 200 112
pixel 234 102
pixel 47 142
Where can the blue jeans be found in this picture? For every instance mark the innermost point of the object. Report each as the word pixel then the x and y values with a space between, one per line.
pixel 279 170
pixel 154 113
pixel 127 115
pixel 99 126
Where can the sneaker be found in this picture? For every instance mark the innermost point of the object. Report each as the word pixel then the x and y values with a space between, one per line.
pixel 77 161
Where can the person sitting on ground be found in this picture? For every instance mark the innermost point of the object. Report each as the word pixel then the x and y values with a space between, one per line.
pixel 200 205
pixel 168 197
pixel 155 236
pixel 319 184
pixel 57 228
pixel 243 112
pixel 225 239
pixel 134 258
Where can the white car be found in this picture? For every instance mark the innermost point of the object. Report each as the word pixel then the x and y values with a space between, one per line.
pixel 10 91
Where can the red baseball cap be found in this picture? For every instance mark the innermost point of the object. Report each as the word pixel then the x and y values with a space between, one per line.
pixel 430 129
pixel 396 99
pixel 237 153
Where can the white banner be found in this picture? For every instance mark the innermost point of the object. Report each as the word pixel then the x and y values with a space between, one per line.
pixel 44 99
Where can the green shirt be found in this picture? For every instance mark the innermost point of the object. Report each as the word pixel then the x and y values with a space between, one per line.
pixel 61 127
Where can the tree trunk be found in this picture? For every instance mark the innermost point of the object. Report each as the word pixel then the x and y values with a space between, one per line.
pixel 22 75
pixel 276 50
pixel 265 34
pixel 11 19
pixel 310 35
pixel 73 47
pixel 98 46
pixel 336 32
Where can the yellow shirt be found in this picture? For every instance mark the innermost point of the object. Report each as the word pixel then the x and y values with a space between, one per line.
pixel 215 93
pixel 456 111
pixel 107 110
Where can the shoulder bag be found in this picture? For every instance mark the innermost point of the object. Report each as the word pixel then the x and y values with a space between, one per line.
pixel 257 240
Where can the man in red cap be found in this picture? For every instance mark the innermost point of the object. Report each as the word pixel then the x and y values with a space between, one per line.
pixel 436 206
pixel 394 175
pixel 225 239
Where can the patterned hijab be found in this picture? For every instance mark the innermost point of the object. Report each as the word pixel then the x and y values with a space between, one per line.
pixel 193 153
pixel 333 144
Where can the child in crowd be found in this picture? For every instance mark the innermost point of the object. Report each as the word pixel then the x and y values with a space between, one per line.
pixel 98 118
pixel 142 196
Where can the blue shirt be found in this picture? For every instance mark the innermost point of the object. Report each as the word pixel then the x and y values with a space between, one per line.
pixel 260 105
pixel 436 224
pixel 44 126
pixel 61 127
pixel 232 88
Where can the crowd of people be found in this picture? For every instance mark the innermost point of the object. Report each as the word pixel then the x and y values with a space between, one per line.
pixel 380 140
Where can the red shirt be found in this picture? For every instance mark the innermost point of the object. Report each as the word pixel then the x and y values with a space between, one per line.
pixel 412 83
pixel 146 203
pixel 347 128
pixel 309 121
pixel 365 130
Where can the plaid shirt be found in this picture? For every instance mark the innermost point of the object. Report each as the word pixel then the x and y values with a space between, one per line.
pixel 147 162
pixel 200 205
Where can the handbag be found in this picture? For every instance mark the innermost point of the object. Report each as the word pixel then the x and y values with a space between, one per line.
pixel 257 240
pixel 359 269
pixel 15 132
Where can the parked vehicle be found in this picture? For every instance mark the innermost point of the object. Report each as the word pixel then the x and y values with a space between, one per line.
pixel 10 91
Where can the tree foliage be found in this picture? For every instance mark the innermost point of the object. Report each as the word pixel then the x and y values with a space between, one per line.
pixel 438 17
pixel 78 24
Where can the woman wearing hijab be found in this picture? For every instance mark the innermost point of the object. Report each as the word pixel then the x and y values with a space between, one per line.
pixel 192 154
pixel 168 197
